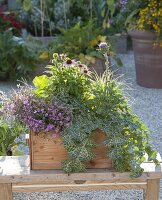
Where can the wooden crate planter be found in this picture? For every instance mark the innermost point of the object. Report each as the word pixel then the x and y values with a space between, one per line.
pixel 48 154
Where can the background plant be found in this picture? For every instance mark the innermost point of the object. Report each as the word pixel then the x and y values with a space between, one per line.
pixel 10 137
pixel 145 16
pixel 118 18
pixel 10 131
pixel 150 18
pixel 38 16
pixel 76 40
pixel 10 21
pixel 19 57
pixel 81 42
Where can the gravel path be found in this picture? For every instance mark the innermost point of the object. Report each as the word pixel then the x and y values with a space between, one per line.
pixel 147 103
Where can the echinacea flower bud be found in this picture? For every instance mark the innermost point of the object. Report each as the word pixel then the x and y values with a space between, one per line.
pixel 103 45
pixel 55 55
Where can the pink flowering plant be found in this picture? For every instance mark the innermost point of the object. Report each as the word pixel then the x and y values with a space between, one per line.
pixel 38 114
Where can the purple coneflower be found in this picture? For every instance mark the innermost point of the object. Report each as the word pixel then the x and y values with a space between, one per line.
pixel 69 63
pixel 84 69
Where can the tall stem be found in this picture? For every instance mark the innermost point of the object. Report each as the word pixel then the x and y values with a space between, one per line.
pixel 91 9
pixel 65 17
pixel 107 62
pixel 42 18
pixel 48 17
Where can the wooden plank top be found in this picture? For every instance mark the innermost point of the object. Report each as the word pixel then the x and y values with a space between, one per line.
pixel 16 169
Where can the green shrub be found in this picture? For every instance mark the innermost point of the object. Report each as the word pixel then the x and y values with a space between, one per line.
pixel 18 56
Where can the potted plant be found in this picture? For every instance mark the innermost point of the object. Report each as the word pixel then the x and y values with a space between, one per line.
pixel 146 35
pixel 65 114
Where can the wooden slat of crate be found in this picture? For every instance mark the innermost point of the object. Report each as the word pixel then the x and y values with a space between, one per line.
pixel 15 175
pixel 47 154
pixel 66 186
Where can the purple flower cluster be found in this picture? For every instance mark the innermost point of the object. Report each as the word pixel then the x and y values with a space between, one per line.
pixel 123 4
pixel 39 114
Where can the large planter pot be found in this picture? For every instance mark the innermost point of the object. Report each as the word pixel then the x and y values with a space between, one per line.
pixel 148 59
pixel 119 42
pixel 4 76
pixel 14 5
pixel 49 153
pixel 98 66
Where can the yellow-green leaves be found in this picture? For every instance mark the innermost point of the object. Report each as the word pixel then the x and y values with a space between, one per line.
pixel 41 82
pixel 27 5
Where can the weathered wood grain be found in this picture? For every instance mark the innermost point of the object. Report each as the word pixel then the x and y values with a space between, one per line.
pixel 77 187
pixel 16 169
pixel 15 175
pixel 152 191
pixel 48 153
pixel 5 191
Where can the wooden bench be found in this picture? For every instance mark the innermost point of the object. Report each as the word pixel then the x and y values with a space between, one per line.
pixel 15 176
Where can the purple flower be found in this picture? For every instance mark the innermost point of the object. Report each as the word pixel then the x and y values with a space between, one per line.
pixel 103 45
pixel 54 135
pixel 49 127
pixel 38 114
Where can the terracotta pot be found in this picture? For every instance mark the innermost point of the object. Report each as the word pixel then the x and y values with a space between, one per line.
pixel 98 66
pixel 119 42
pixel 4 76
pixel 48 153
pixel 148 59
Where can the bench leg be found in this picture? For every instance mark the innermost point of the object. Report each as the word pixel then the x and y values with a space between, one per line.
pixel 153 189
pixel 5 191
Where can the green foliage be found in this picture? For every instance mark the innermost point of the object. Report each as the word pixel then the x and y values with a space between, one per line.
pixel 81 42
pixel 96 103
pixel 65 82
pixel 27 4
pixel 133 9
pixel 9 132
pixel 75 40
pixel 19 57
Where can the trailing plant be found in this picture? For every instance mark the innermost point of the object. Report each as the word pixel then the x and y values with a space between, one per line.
pixel 95 103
